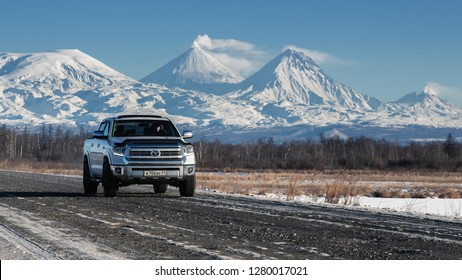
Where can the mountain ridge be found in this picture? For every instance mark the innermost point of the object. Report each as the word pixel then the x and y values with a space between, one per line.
pixel 70 88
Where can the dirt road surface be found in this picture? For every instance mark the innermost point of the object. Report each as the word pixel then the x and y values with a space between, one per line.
pixel 47 217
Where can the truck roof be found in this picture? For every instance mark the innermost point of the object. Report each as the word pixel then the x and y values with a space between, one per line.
pixel 140 116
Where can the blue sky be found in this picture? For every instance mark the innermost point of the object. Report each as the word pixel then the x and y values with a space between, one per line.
pixel 384 49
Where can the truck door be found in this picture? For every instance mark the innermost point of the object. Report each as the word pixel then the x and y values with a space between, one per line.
pixel 97 150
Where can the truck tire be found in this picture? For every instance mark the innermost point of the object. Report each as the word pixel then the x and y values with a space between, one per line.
pixel 160 188
pixel 188 186
pixel 110 184
pixel 89 186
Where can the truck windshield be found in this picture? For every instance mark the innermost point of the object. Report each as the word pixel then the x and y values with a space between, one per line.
pixel 124 128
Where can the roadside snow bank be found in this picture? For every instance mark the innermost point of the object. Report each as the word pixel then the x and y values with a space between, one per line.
pixel 443 207
pixel 432 206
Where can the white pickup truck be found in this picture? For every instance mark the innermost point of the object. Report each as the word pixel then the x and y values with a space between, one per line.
pixel 138 149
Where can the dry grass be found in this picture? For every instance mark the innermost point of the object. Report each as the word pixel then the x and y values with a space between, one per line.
pixel 335 187
pixel 41 167
pixel 294 186
pixel 347 191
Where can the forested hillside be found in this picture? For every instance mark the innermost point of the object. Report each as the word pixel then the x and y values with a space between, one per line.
pixel 54 144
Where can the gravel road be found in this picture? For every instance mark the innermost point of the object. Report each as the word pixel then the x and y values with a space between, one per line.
pixel 47 217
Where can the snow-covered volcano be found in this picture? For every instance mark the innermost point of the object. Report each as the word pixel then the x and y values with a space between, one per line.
pixel 423 108
pixel 425 100
pixel 53 86
pixel 293 78
pixel 195 70
pixel 65 69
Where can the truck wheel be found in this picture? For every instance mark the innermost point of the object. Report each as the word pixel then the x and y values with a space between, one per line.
pixel 89 186
pixel 110 184
pixel 188 186
pixel 160 188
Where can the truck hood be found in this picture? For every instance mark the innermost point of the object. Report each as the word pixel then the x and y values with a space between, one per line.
pixel 149 142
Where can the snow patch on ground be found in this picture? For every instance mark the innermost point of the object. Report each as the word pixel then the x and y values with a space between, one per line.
pixel 424 206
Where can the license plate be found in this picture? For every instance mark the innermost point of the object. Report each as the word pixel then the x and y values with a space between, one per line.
pixel 154 173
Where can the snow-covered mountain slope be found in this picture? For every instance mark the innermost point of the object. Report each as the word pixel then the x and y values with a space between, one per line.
pixel 293 78
pixel 195 70
pixel 71 88
pixel 290 97
pixel 65 70
pixel 421 108
pixel 425 102
pixel 54 85
pixel 293 90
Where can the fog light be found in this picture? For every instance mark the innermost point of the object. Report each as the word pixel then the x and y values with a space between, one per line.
pixel 118 170
pixel 190 169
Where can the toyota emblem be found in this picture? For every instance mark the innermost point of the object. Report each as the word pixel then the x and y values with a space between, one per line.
pixel 155 153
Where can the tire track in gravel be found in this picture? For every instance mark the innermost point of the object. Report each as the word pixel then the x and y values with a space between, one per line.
pixel 341 216
pixel 49 239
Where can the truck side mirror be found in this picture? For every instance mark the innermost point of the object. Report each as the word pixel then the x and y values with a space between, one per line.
pixel 187 134
pixel 99 135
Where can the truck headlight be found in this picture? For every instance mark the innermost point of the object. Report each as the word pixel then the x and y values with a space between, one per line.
pixel 187 150
pixel 118 151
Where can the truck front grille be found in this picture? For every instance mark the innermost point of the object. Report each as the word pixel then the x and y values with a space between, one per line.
pixel 154 154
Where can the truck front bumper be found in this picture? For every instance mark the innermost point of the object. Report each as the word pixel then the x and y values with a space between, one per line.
pixel 149 173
